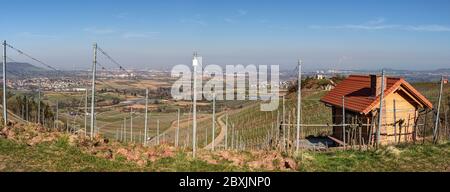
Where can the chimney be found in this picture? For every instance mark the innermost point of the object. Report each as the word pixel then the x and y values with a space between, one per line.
pixel 375 85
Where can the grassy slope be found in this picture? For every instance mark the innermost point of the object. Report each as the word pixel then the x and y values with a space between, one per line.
pixel 408 158
pixel 59 156
pixel 253 124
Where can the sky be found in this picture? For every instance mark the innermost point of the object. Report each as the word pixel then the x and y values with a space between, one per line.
pixel 157 34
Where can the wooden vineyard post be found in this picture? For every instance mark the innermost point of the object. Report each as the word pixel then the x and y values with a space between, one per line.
pixel 415 128
pixel 343 121
pixel 395 122
pixel 407 128
pixel 226 131
pixel 289 130
pixel 131 124
pixel 424 128
pixel 177 132
pixel 157 132
pixel 232 136
pixel 146 119
pixel 436 125
pixel 446 122
pixel 125 128
pixel 278 129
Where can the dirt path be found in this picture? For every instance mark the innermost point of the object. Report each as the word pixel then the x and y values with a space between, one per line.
pixel 13 116
pixel 221 135
pixel 222 126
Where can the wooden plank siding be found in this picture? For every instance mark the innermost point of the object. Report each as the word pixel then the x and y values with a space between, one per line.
pixel 406 116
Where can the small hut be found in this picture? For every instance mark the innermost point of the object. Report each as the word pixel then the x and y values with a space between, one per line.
pixel 360 96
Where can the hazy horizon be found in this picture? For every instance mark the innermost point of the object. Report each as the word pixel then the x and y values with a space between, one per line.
pixel 362 35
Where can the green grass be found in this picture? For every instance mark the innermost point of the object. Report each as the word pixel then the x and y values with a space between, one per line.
pixel 58 156
pixel 61 157
pixel 408 158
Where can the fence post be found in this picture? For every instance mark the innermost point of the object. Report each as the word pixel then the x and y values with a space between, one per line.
pixel 436 126
pixel 125 129
pixel 195 64
pixel 177 132
pixel 380 117
pixel 284 123
pixel 226 130
pixel 131 124
pixel 343 121
pixel 94 69
pixel 299 105
pixel 395 122
pixel 157 132
pixel 214 121
pixel 5 105
pixel 146 117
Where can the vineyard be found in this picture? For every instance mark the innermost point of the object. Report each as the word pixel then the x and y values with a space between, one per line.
pixel 255 129
pixel 246 126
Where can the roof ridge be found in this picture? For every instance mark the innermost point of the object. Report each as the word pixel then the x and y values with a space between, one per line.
pixel 357 87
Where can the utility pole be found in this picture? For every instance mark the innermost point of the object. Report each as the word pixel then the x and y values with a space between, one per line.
pixel 94 68
pixel 177 132
pixel 436 125
pixel 380 115
pixel 5 105
pixel 195 64
pixel 85 112
pixel 299 103
pixel 214 120
pixel 146 117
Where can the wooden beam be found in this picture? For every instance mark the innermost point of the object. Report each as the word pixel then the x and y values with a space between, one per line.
pixel 336 140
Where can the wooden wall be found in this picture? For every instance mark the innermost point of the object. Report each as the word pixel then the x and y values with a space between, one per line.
pixel 405 118
pixel 401 128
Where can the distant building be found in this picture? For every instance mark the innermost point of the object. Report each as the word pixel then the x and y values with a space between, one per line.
pixel 78 89
pixel 319 76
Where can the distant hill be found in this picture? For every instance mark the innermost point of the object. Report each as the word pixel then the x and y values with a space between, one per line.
pixel 444 70
pixel 22 67
pixel 18 68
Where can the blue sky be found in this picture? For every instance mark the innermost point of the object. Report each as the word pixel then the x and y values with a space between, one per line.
pixel 364 34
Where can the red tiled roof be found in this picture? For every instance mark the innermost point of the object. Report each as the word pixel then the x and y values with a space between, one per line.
pixel 357 92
